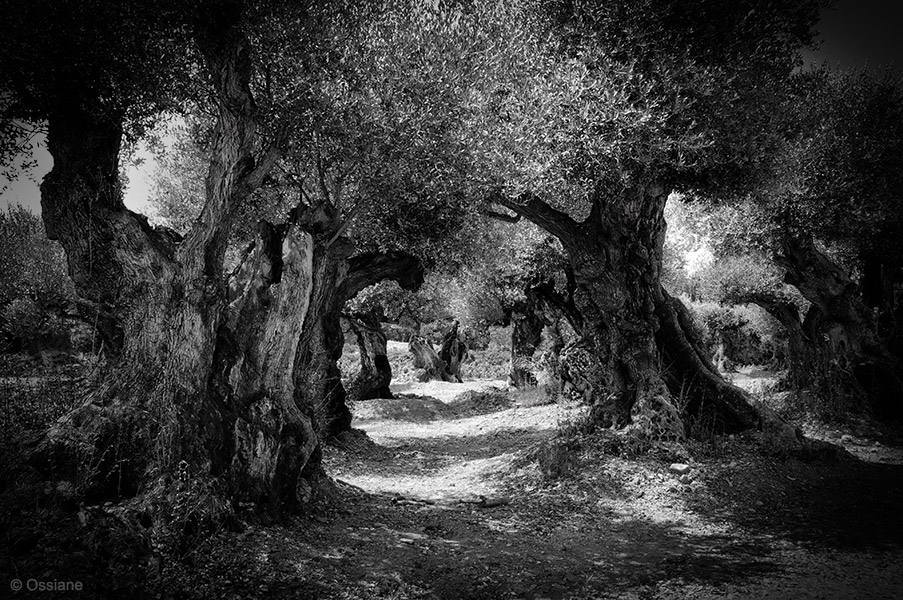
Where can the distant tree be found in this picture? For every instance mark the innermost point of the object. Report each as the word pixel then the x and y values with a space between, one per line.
pixel 519 274
pixel 738 269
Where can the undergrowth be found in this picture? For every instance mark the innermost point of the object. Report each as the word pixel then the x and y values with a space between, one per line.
pixel 34 393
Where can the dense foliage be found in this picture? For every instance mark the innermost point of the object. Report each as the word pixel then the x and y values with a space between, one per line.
pixel 35 290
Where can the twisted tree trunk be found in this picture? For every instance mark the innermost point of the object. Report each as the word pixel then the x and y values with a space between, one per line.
pixel 376 373
pixel 634 363
pixel 204 394
pixel 452 353
pixel 323 383
pixel 318 380
pixel 802 339
pixel 855 356
pixel 427 361
pixel 444 365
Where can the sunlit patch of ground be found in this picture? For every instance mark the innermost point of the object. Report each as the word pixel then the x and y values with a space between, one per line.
pixel 450 457
pixel 407 522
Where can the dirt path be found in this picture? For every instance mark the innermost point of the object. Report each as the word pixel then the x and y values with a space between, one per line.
pixel 408 522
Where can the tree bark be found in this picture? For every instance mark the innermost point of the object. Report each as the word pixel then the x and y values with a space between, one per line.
pixel 204 393
pixel 444 365
pixel 453 353
pixel 376 373
pixel 270 300
pixel 801 344
pixel 370 268
pixel 556 306
pixel 427 361
pixel 320 378
pixel 527 324
pixel 634 362
pixel 855 355
pixel 706 399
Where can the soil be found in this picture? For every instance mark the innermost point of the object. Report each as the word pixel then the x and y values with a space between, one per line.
pixel 468 491
pixel 473 491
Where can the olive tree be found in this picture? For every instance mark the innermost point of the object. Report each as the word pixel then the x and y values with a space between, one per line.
pixel 617 106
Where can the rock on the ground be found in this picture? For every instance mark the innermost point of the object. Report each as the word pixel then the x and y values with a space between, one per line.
pixel 680 468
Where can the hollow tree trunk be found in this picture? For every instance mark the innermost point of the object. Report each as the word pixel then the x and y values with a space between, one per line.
pixel 376 373
pixel 556 306
pixel 201 396
pixel 629 324
pixel 562 320
pixel 856 357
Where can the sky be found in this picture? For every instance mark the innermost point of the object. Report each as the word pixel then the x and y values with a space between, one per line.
pixel 859 32
pixel 853 33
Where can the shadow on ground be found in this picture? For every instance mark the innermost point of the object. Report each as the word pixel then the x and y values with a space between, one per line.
pixel 843 504
pixel 378 549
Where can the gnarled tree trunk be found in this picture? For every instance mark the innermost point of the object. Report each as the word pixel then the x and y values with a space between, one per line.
pixel 376 373
pixel 318 380
pixel 427 361
pixel 526 335
pixel 802 339
pixel 854 354
pixel 444 365
pixel 634 363
pixel 204 394
pixel 348 278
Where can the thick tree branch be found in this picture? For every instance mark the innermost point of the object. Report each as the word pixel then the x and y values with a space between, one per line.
pixel 372 267
pixel 683 356
pixel 252 180
pixel 785 312
pixel 233 173
pixel 532 208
